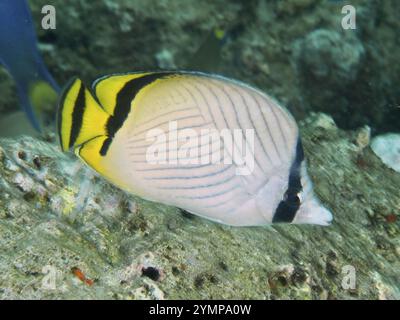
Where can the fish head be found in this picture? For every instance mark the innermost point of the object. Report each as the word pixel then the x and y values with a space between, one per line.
pixel 279 202
pixel 310 211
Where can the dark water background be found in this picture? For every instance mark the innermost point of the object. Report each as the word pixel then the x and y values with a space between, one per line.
pixel 296 51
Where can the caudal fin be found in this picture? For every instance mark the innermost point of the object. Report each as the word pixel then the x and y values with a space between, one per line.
pixel 80 118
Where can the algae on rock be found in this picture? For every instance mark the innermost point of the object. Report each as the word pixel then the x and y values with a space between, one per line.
pixel 135 249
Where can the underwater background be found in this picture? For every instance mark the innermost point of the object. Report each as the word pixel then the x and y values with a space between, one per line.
pixel 342 85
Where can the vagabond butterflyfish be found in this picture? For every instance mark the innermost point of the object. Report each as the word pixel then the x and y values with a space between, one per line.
pixel 213 146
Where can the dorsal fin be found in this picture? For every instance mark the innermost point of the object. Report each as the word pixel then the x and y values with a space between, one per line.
pixel 107 88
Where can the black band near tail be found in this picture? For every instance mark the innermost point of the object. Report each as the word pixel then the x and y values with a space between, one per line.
pixel 287 208
pixel 77 116
pixel 123 104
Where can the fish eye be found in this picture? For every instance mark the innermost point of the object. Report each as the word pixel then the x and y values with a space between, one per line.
pixel 295 199
pixel 298 199
pixel 292 198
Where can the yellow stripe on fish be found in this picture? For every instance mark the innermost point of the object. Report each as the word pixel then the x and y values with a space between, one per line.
pixel 111 133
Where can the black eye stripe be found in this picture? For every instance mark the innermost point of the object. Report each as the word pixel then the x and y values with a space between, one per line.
pixel 287 208
pixel 293 199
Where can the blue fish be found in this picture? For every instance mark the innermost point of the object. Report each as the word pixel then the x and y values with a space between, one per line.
pixel 19 54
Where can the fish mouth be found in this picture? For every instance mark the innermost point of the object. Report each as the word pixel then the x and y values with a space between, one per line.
pixel 324 217
pixel 313 212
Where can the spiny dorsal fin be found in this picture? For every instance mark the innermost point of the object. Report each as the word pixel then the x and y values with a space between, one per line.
pixel 107 88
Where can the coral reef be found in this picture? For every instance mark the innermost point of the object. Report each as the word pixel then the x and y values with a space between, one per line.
pixel 66 233
pixel 328 64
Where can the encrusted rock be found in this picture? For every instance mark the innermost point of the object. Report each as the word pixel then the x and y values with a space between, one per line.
pixel 387 148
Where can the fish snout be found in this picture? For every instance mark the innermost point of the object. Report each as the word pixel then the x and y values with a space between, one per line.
pixel 313 212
